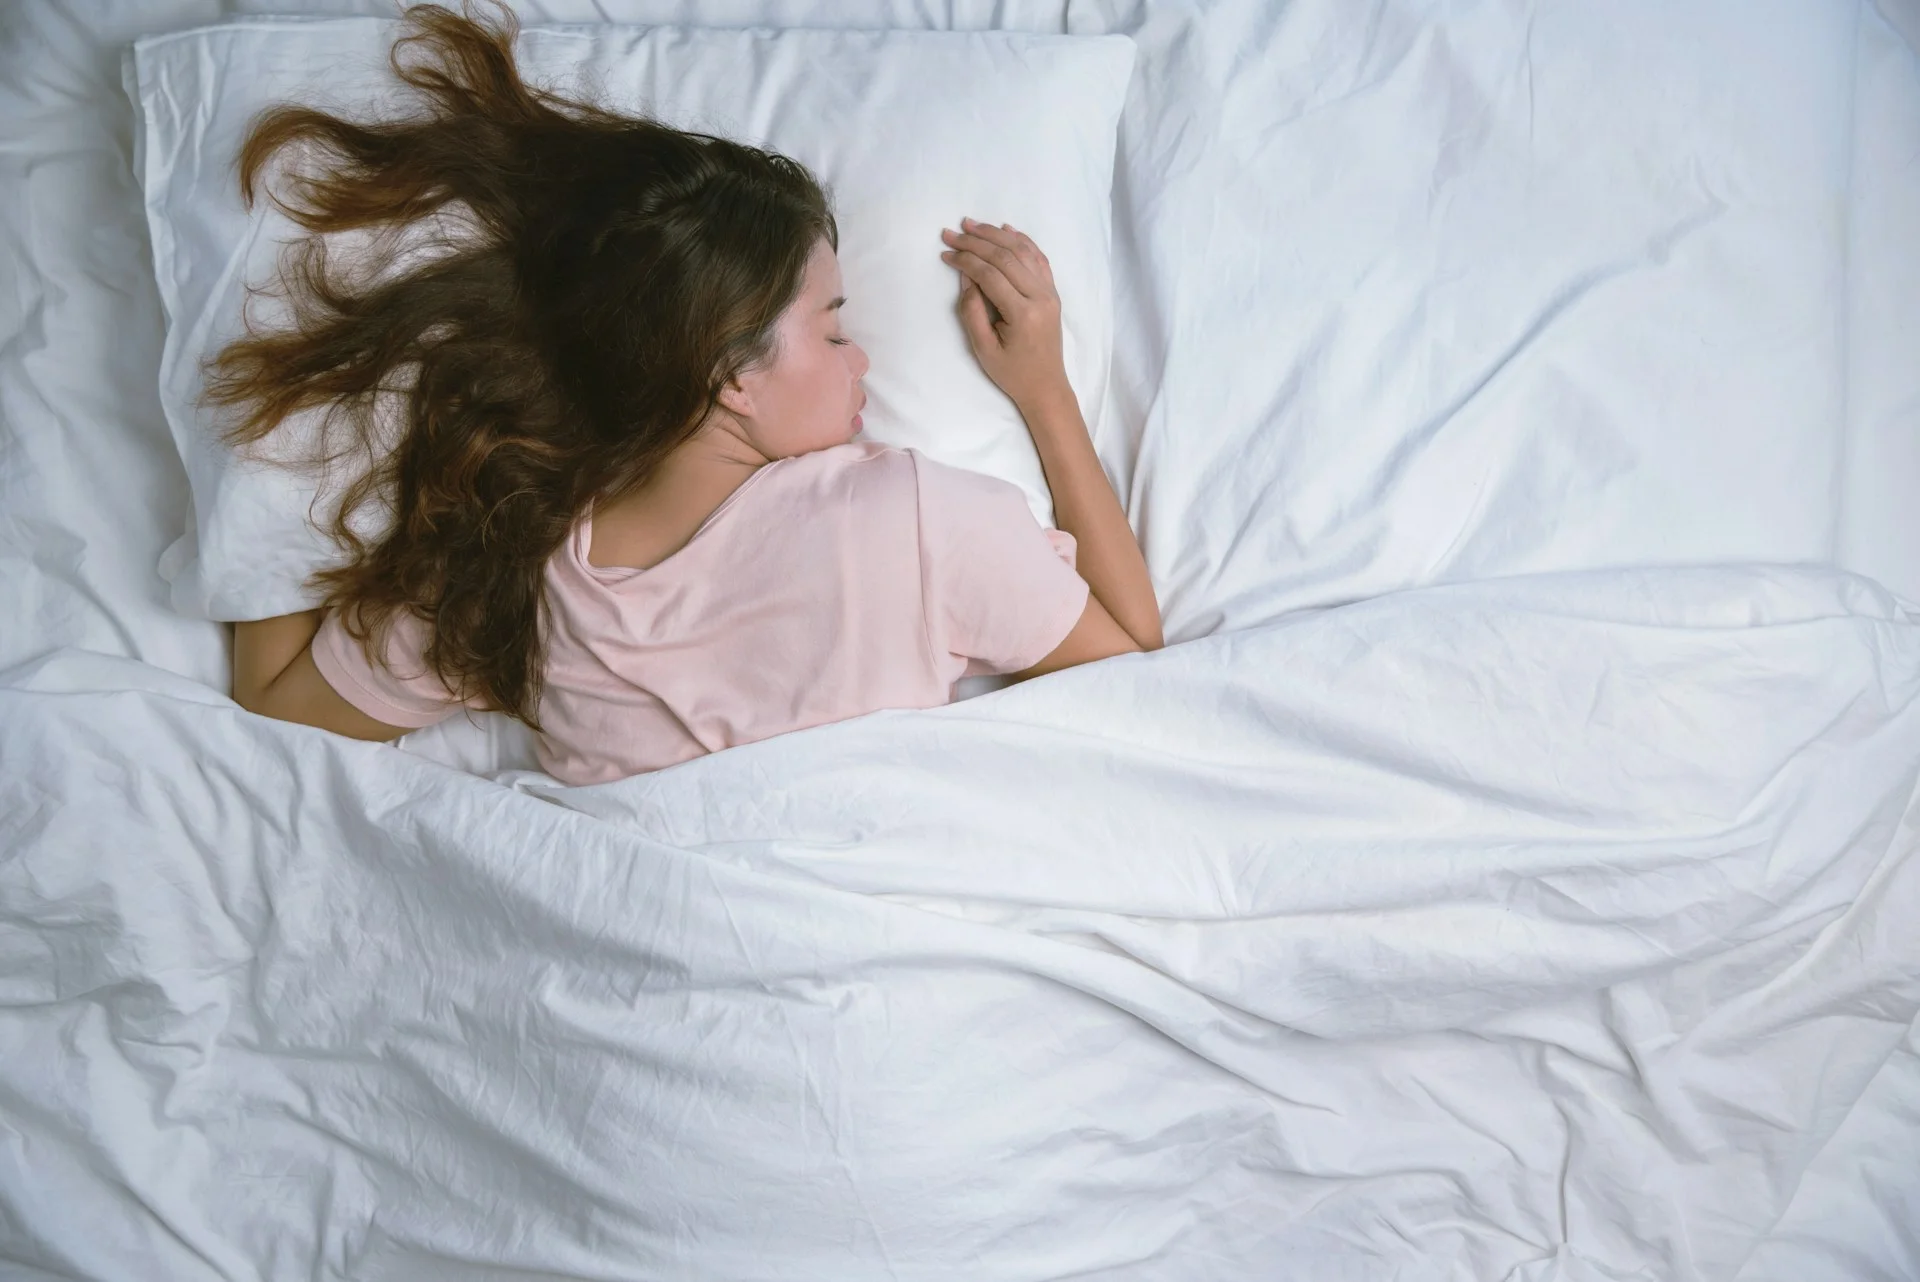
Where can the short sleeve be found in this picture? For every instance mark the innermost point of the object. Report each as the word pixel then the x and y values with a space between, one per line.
pixel 1000 591
pixel 398 691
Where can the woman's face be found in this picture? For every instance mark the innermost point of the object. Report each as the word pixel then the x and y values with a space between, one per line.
pixel 807 396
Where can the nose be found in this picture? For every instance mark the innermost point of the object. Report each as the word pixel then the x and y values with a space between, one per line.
pixel 860 362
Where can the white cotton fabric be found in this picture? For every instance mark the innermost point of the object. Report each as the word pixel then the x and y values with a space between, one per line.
pixel 1530 930
pixel 1453 294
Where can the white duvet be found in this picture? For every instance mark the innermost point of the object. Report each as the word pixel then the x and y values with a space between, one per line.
pixel 1557 926
pixel 1529 930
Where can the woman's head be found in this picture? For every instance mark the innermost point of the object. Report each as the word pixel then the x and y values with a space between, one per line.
pixel 620 287
pixel 805 395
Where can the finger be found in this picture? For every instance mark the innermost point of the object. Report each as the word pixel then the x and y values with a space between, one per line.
pixel 995 318
pixel 974 319
pixel 1000 255
pixel 1022 245
pixel 991 280
pixel 1003 251
pixel 1030 252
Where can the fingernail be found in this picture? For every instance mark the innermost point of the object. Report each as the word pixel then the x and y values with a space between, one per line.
pixel 966 222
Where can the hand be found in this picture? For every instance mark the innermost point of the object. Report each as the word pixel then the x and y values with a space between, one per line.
pixel 1009 309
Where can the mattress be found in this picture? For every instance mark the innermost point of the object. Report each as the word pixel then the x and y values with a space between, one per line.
pixel 1508 873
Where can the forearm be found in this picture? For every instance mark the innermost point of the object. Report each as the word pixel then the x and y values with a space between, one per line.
pixel 265 648
pixel 1085 506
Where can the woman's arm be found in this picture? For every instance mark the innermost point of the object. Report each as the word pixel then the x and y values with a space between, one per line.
pixel 274 676
pixel 1011 312
pixel 263 649
pixel 1086 507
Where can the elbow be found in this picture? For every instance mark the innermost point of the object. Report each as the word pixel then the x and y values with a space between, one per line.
pixel 1149 633
pixel 261 698
pixel 254 700
pixel 249 696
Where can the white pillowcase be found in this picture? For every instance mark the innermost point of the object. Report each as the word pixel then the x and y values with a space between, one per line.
pixel 908 130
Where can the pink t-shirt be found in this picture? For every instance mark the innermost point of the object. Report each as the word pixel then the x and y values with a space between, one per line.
pixel 829 585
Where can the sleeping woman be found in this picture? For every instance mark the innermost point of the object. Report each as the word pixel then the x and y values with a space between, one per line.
pixel 628 502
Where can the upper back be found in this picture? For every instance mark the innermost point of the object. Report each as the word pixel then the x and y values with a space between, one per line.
pixel 829 585
pixel 797 602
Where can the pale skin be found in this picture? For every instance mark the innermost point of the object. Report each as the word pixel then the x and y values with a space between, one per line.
pixel 808 397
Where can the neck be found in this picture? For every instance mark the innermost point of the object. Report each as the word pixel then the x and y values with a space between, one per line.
pixel 721 443
pixel 694 479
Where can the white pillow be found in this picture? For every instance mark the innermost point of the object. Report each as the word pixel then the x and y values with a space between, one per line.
pixel 908 130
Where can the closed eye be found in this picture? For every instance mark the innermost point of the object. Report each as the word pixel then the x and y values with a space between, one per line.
pixel 839 342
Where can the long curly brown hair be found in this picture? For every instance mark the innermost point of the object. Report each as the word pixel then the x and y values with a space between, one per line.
pixel 613 275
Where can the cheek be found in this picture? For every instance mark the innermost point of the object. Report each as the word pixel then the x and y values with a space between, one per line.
pixel 816 413
pixel 831 382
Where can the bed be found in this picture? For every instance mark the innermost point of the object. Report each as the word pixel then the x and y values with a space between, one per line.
pixel 1509 871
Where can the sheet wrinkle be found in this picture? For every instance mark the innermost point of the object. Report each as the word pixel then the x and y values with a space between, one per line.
pixel 1363 61
pixel 494 1132
pixel 1394 469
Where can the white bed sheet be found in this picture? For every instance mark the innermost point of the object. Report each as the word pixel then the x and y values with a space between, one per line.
pixel 1879 519
pixel 174 1035
pixel 1584 301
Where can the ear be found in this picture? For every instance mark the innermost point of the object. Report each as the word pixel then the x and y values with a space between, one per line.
pixel 736 399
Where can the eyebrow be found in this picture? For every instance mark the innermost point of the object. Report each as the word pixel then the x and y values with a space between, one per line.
pixel 835 303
